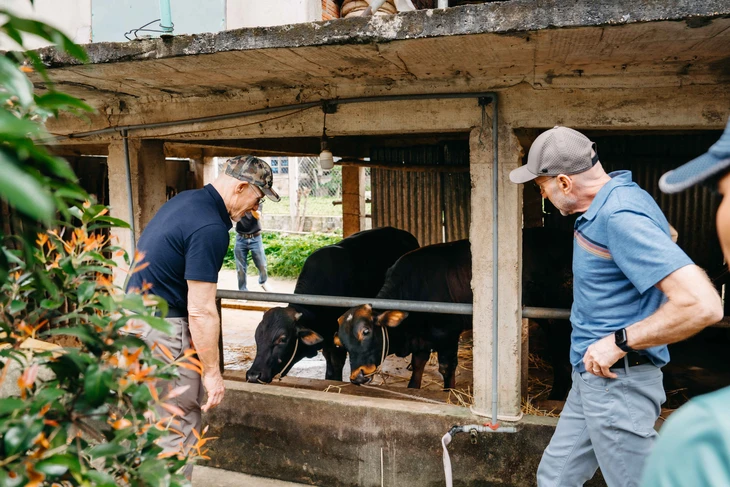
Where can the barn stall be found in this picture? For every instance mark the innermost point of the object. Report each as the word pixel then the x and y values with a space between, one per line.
pixel 611 70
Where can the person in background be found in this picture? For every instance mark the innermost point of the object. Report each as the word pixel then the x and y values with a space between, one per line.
pixel 634 292
pixel 693 448
pixel 184 246
pixel 248 239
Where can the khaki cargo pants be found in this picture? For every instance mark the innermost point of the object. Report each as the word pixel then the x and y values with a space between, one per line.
pixel 191 400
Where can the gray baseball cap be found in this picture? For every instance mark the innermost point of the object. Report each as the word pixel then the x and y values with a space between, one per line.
pixel 713 163
pixel 255 171
pixel 560 150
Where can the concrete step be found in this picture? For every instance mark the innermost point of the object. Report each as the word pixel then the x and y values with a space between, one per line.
pixel 216 477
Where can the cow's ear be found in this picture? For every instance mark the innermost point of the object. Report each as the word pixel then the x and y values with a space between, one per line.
pixel 392 318
pixel 336 340
pixel 308 337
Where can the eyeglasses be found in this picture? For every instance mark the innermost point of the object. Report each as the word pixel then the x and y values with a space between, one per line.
pixel 538 187
pixel 259 194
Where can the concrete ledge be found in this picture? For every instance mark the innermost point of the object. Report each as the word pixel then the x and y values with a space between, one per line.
pixel 328 439
pixel 495 17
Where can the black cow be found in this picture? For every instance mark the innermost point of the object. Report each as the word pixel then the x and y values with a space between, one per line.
pixel 547 282
pixel 355 266
pixel 439 273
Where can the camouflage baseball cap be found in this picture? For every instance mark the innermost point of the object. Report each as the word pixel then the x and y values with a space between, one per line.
pixel 255 171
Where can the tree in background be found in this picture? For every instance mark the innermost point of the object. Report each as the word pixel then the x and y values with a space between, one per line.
pixel 80 415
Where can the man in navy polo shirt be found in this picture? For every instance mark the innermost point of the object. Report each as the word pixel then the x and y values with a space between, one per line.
pixel 184 246
pixel 634 292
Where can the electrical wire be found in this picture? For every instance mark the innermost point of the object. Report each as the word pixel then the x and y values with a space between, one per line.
pixel 142 29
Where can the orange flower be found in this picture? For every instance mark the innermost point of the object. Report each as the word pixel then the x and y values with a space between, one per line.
pixel 26 69
pixel 35 478
pixel 42 239
pixel 27 380
pixel 121 424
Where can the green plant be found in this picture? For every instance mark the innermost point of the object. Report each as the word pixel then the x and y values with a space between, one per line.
pixel 285 254
pixel 81 415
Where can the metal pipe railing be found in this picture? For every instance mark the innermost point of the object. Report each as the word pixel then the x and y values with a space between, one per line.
pixel 402 305
pixel 349 302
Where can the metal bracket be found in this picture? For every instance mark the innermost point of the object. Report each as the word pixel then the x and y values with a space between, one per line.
pixel 329 107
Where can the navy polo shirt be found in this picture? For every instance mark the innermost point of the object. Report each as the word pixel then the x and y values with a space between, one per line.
pixel 185 241
pixel 621 250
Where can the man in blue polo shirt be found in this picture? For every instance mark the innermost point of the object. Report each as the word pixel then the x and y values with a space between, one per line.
pixel 184 245
pixel 634 292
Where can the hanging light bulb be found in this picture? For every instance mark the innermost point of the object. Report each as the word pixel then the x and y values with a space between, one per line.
pixel 326 161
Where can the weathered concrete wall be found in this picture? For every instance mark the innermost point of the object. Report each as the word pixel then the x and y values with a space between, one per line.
pixel 148 174
pixel 334 440
pixel 509 318
pixel 255 13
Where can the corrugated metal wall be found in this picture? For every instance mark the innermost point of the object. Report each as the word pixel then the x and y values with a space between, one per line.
pixel 433 206
pixel 692 212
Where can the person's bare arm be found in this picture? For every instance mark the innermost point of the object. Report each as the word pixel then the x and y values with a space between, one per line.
pixel 205 331
pixel 692 304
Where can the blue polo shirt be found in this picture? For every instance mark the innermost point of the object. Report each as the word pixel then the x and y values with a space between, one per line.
pixel 621 250
pixel 187 239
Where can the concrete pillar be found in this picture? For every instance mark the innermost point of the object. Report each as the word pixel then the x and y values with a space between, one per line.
pixel 147 169
pixel 509 267
pixel 204 168
pixel 353 199
pixel 293 188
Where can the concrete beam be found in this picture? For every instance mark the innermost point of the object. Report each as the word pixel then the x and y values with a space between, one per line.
pixel 687 107
pixel 353 200
pixel 509 319
pixel 147 170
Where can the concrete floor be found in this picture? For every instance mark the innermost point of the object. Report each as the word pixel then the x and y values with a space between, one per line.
pixel 216 477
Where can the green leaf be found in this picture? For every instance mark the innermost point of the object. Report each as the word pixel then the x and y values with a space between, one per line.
pixel 114 221
pixel 16 306
pixel 15 82
pixel 11 404
pixel 51 304
pixel 107 450
pixel 85 291
pixel 58 465
pixel 20 437
pixel 159 324
pixel 7 481
pixel 12 127
pixel 60 101
pixel 95 385
pixel 23 191
pixel 101 479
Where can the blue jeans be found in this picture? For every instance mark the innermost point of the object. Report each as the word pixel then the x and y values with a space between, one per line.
pixel 607 423
pixel 241 250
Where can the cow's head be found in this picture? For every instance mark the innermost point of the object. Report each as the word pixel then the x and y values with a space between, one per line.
pixel 361 334
pixel 280 343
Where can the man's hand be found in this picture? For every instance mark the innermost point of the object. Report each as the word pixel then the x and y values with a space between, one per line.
pixel 601 355
pixel 213 383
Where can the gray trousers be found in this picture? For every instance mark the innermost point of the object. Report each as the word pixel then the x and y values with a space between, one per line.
pixel 181 430
pixel 607 423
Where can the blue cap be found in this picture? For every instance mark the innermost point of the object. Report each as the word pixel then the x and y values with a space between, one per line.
pixel 714 162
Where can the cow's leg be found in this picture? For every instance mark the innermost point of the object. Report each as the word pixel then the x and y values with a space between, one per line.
pixel 418 361
pixel 448 360
pixel 335 357
pixel 559 352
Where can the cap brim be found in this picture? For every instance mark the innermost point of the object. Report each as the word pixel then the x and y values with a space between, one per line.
pixel 521 175
pixel 271 194
pixel 694 172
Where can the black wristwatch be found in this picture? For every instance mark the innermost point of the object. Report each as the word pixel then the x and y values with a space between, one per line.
pixel 622 339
